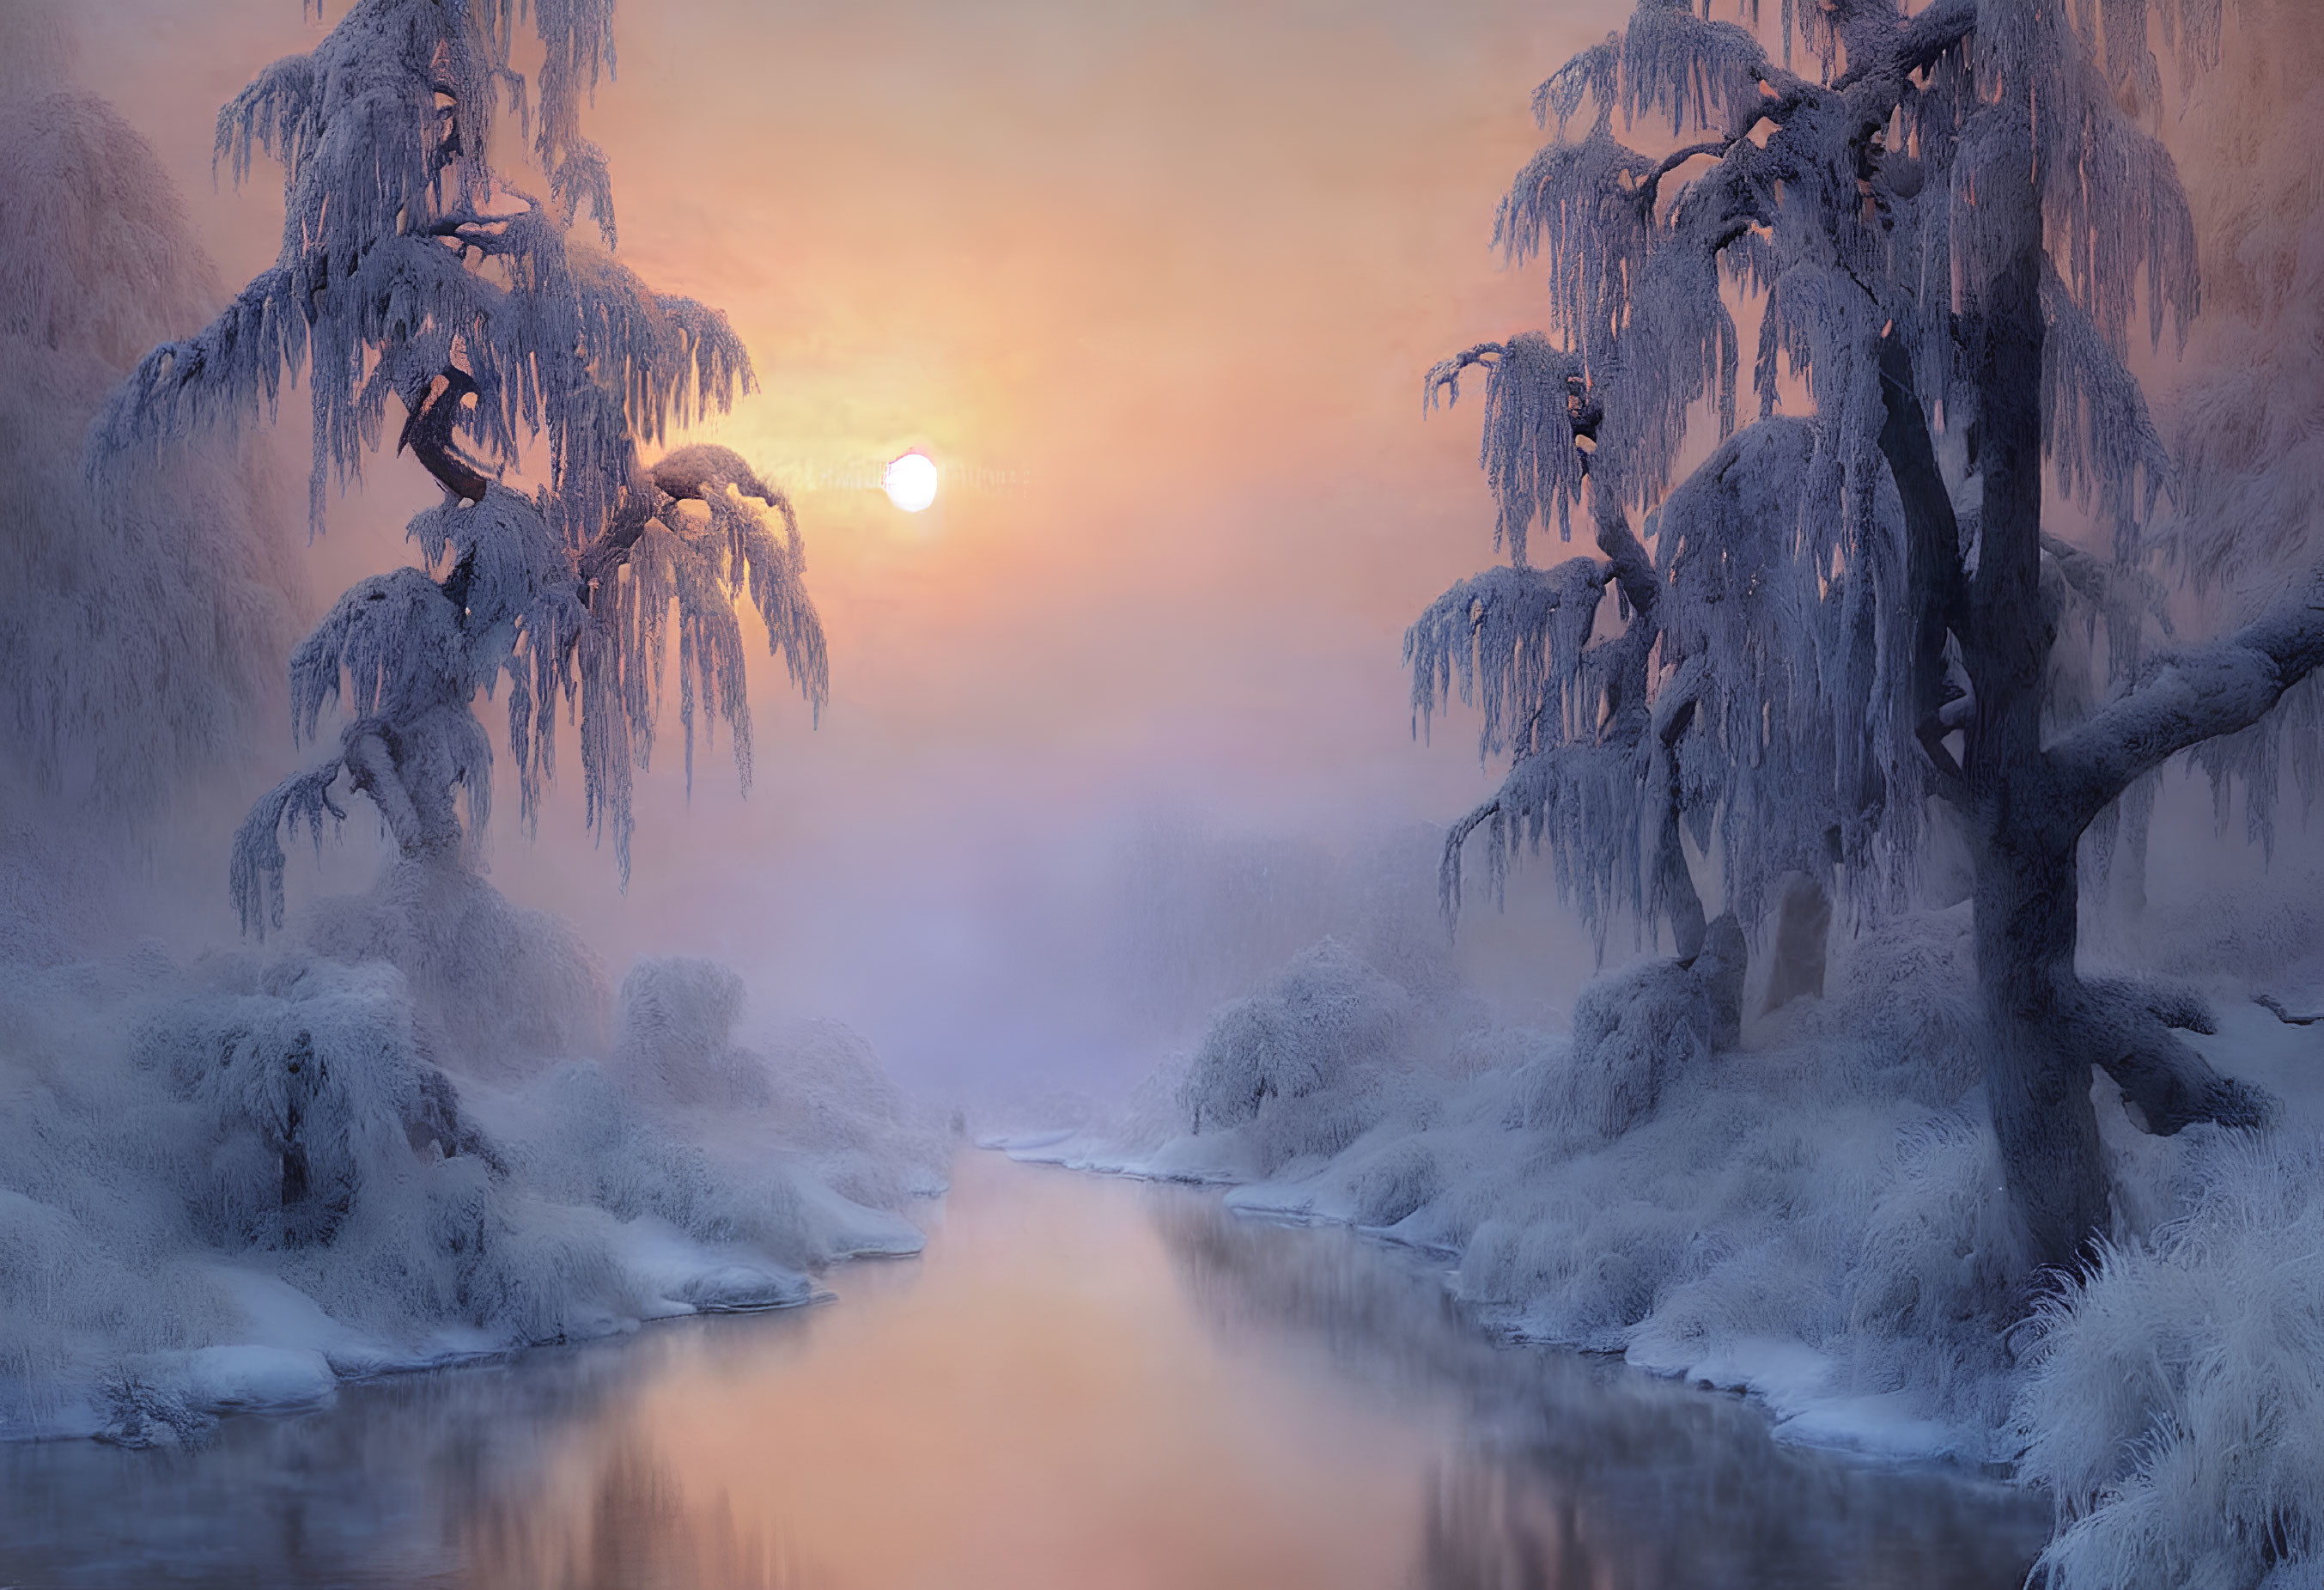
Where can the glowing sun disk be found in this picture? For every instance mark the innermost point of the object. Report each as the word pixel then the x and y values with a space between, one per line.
pixel 910 482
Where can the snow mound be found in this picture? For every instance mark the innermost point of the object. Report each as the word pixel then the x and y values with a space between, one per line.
pixel 223 1186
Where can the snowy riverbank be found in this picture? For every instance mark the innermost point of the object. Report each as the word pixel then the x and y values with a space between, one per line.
pixel 1816 1217
pixel 227 1187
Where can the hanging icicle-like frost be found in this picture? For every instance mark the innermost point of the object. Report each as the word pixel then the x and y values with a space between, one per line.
pixel 416 286
pixel 1528 447
pixel 2114 212
pixel 1701 74
pixel 1511 641
pixel 1578 206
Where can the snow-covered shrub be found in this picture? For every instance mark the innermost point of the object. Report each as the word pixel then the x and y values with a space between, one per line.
pixel 1326 1015
pixel 1904 998
pixel 677 1020
pixel 1397 1183
pixel 1633 1028
pixel 1939 1269
pixel 499 988
pixel 314 1089
pixel 1298 1070
pixel 581 1138
pixel 815 1089
pixel 829 1101
pixel 2175 1406
pixel 1321 1125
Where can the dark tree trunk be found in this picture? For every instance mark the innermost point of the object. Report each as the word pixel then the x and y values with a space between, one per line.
pixel 2037 1083
pixel 1802 930
pixel 2037 1076
pixel 2027 805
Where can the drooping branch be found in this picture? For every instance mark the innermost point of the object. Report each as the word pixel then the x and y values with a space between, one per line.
pixel 1650 185
pixel 1930 33
pixel 255 873
pixel 2123 594
pixel 1448 868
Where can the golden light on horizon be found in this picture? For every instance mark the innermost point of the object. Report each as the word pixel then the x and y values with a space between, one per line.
pixel 911 481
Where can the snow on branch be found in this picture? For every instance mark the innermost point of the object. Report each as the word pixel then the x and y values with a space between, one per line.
pixel 254 872
pixel 1580 206
pixel 1583 803
pixel 1795 743
pixel 1528 448
pixel 2186 698
pixel 1595 74
pixel 1701 74
pixel 391 641
pixel 412 271
pixel 1512 637
pixel 2095 422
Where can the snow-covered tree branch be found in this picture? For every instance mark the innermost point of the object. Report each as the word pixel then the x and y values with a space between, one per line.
pixel 1839 630
pixel 413 270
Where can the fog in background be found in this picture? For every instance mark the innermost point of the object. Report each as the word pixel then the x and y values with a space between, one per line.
pixel 1120 724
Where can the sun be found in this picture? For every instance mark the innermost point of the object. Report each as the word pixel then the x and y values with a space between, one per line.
pixel 911 481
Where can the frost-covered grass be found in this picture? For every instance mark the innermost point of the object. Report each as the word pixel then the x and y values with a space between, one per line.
pixel 2174 1405
pixel 225 1185
pixel 1816 1214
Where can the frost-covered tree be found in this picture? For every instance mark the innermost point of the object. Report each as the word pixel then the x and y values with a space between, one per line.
pixel 136 624
pixel 1851 622
pixel 415 274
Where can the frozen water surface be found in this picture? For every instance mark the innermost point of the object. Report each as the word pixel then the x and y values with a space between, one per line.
pixel 1084 1383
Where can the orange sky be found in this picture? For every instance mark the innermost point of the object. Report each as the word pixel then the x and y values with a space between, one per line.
pixel 1175 266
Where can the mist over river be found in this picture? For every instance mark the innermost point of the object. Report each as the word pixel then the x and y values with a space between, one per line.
pixel 1084 1382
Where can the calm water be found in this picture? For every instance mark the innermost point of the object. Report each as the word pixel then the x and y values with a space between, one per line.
pixel 1084 1385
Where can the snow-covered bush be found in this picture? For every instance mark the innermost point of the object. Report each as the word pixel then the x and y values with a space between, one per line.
pixel 677 1019
pixel 2175 1406
pixel 1905 998
pixel 214 1180
pixel 829 1102
pixel 1632 1029
pixel 498 988
pixel 315 1091
pixel 1397 1184
pixel 813 1088
pixel 1329 1014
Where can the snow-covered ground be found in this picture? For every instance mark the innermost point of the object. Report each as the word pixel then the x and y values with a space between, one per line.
pixel 1817 1216
pixel 224 1186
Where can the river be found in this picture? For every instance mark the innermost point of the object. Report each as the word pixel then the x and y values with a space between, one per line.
pixel 1090 1384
